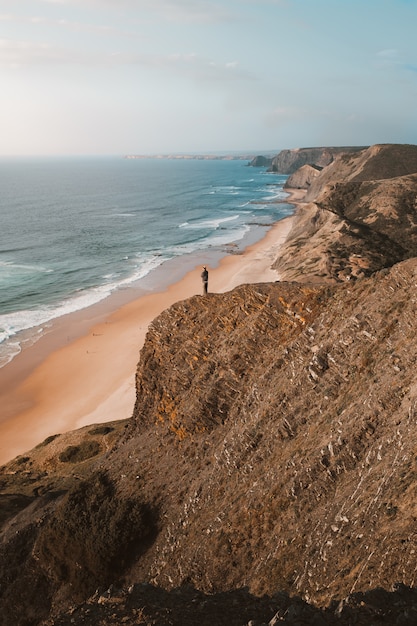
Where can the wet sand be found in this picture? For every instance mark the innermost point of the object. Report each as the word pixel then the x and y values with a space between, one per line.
pixel 82 371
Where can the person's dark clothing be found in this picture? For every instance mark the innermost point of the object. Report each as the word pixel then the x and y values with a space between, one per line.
pixel 204 278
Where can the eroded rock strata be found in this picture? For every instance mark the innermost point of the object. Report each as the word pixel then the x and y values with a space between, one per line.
pixel 269 472
pixel 289 161
pixel 359 216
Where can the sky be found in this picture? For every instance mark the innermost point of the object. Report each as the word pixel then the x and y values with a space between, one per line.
pixel 104 77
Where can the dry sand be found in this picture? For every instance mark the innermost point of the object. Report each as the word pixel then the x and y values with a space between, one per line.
pixel 83 371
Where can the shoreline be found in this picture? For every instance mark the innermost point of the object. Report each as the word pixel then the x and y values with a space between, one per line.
pixel 82 371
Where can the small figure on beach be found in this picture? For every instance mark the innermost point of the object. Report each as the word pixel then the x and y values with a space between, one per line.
pixel 204 278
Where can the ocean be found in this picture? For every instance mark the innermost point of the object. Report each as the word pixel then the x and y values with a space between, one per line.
pixel 75 230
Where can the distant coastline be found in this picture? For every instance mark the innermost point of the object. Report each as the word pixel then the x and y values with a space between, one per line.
pixel 194 157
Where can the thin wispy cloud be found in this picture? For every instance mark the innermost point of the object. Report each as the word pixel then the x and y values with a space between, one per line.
pixel 19 54
pixel 410 68
pixel 183 11
pixel 70 25
pixel 190 65
pixel 256 68
pixel 282 114
pixel 392 59
pixel 390 53
pixel 190 11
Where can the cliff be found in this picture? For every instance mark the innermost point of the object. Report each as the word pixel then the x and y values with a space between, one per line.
pixel 303 177
pixel 261 161
pixel 268 473
pixel 359 216
pixel 289 161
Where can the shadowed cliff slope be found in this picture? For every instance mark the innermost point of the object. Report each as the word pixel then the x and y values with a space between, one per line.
pixel 289 161
pixel 300 439
pixel 359 216
pixel 272 450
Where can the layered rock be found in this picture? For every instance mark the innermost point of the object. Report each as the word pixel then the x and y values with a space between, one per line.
pixel 359 216
pixel 290 413
pixel 303 177
pixel 289 161
pixel 261 161
pixel 271 449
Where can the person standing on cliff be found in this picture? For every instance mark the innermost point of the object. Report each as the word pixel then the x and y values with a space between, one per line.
pixel 204 278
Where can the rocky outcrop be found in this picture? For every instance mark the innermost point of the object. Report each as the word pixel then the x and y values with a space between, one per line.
pixel 359 216
pixel 379 162
pixel 303 177
pixel 268 473
pixel 147 605
pixel 295 409
pixel 271 447
pixel 289 161
pixel 261 161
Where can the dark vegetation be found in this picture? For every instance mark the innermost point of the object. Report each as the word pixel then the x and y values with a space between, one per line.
pixel 93 536
pixel 76 454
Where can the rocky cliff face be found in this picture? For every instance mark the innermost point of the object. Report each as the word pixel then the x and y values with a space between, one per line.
pixel 298 420
pixel 380 162
pixel 271 449
pixel 261 161
pixel 303 177
pixel 289 161
pixel 359 217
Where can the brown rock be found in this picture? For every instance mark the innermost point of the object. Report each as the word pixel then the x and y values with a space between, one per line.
pixel 269 470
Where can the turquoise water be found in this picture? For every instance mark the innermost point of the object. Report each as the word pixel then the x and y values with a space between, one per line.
pixel 74 230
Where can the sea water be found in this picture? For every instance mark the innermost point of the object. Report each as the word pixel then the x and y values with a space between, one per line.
pixel 74 230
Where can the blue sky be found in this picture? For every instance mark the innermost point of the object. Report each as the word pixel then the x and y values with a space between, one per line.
pixel 163 76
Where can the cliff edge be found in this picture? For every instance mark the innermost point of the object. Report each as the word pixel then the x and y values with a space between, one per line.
pixel 358 216
pixel 268 473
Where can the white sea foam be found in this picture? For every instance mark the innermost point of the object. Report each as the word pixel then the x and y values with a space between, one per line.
pixel 207 224
pixel 14 348
pixel 218 238
pixel 13 325
pixel 122 215
pixel 226 189
pixel 8 268
pixel 123 227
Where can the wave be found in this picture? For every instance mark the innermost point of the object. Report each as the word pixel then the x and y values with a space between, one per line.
pixel 12 324
pixel 215 240
pixel 209 224
pixel 121 215
pixel 116 234
pixel 9 268
pixel 226 189
pixel 140 266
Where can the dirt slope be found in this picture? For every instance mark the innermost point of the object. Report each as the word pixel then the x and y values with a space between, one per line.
pixel 269 472
pixel 359 216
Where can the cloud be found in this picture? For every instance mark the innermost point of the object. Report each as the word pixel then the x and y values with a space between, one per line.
pixel 61 23
pixel 410 68
pixel 190 65
pixel 390 53
pixel 388 59
pixel 183 11
pixel 190 10
pixel 17 54
pixel 392 59
pixel 282 114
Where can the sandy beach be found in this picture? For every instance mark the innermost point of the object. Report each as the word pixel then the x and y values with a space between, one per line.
pixel 83 370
